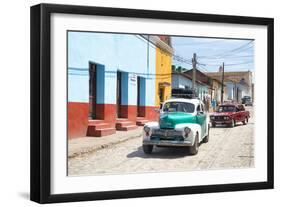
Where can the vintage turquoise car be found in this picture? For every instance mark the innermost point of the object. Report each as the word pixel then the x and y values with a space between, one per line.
pixel 182 122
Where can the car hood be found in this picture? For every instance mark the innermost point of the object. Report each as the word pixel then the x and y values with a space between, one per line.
pixel 171 119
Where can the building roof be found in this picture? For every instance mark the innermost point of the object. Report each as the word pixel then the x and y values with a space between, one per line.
pixel 188 77
pixel 201 76
pixel 156 40
pixel 236 82
pixel 228 72
pixel 229 76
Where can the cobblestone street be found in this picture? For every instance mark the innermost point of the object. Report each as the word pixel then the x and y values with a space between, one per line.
pixel 227 148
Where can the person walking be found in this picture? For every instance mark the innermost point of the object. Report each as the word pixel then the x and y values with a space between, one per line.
pixel 214 105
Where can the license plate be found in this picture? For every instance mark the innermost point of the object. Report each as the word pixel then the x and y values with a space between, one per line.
pixel 169 133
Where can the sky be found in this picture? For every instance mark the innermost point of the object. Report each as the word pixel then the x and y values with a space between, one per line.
pixel 237 54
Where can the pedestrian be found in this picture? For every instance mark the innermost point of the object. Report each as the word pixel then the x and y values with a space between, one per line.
pixel 214 104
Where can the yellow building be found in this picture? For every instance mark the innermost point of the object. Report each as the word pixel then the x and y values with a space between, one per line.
pixel 163 69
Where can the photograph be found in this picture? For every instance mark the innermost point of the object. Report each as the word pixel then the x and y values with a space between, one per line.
pixel 156 103
pixel 129 103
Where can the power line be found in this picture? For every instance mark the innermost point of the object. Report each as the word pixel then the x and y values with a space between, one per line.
pixel 227 55
pixel 241 63
pixel 230 64
pixel 195 44
pixel 183 60
pixel 202 68
pixel 229 52
pixel 232 57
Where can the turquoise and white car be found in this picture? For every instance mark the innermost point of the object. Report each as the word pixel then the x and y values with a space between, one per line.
pixel 182 122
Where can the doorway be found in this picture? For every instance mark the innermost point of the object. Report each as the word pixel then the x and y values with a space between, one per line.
pixel 92 90
pixel 161 94
pixel 138 97
pixel 118 94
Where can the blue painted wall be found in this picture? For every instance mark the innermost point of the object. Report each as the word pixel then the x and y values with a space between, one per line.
pixel 178 81
pixel 230 90
pixel 111 52
pixel 142 91
pixel 243 90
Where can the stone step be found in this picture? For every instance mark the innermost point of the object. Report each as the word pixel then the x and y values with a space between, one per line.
pixel 127 128
pixel 118 120
pixel 95 121
pixel 141 122
pixel 92 132
pixel 100 125
pixel 124 123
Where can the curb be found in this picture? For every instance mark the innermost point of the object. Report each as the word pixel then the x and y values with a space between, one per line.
pixel 103 146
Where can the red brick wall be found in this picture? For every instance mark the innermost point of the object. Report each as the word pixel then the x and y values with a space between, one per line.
pixel 106 112
pixel 129 112
pixel 149 112
pixel 78 116
pixel 77 119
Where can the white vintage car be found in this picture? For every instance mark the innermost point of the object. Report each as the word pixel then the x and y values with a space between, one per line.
pixel 183 122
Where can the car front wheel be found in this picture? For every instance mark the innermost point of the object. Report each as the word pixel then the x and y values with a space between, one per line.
pixel 193 150
pixel 232 123
pixel 206 139
pixel 245 121
pixel 147 149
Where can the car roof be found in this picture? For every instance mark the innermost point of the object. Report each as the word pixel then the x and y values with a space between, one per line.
pixel 185 100
pixel 228 104
pixel 231 104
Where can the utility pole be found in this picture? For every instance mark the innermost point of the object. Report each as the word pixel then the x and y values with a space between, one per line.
pixel 194 62
pixel 222 83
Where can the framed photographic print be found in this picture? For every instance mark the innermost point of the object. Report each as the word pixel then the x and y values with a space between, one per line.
pixel 132 103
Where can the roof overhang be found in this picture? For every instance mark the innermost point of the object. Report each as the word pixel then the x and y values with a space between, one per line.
pixel 159 43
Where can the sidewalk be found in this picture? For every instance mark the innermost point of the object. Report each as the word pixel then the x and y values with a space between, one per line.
pixel 83 145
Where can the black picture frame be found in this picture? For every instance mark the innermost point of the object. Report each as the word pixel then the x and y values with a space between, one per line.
pixel 41 99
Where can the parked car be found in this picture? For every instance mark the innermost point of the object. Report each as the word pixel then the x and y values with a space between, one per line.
pixel 230 114
pixel 182 122
pixel 247 100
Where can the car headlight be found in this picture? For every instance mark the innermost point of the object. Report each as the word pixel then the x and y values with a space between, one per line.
pixel 146 129
pixel 226 117
pixel 212 117
pixel 187 131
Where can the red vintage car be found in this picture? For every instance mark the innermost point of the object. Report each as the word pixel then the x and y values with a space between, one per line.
pixel 229 114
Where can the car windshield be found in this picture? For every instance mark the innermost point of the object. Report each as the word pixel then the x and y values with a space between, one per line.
pixel 227 109
pixel 179 107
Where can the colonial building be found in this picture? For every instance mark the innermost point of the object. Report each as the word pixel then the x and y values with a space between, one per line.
pixel 184 80
pixel 239 83
pixel 236 90
pixel 205 88
pixel 112 81
pixel 163 68
pixel 205 85
pixel 216 90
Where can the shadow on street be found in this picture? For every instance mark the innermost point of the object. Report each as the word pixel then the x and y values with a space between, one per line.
pixel 226 126
pixel 161 152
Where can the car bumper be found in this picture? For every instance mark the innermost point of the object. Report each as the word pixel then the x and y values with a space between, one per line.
pixel 167 143
pixel 222 122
